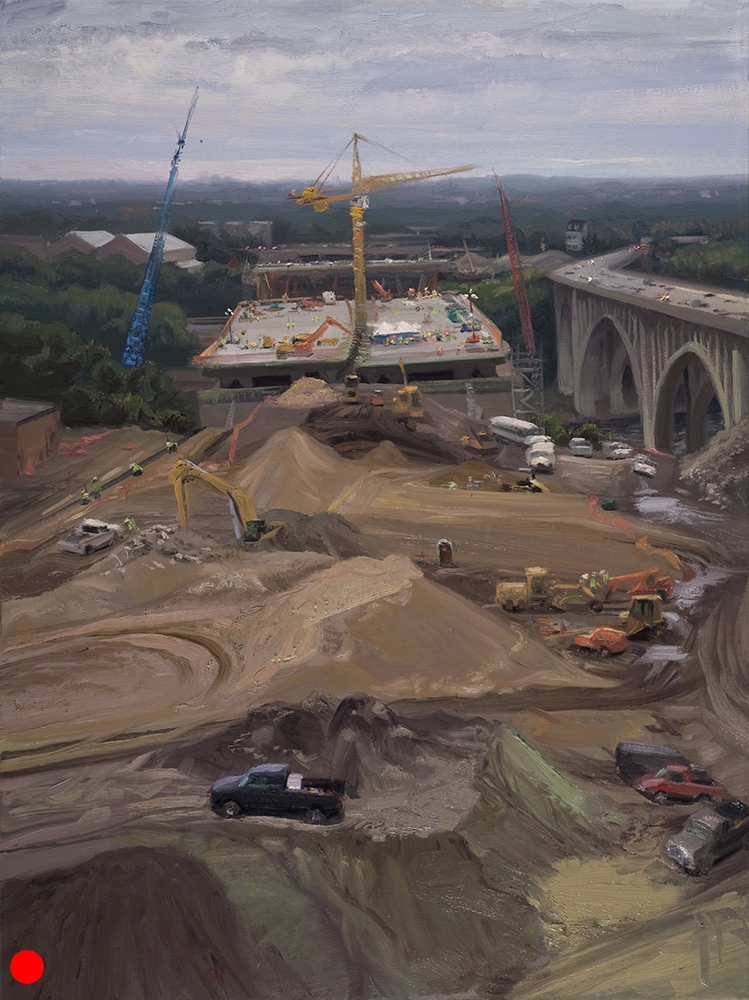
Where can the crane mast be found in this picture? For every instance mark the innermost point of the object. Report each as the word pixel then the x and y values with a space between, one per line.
pixel 517 274
pixel 361 187
pixel 136 338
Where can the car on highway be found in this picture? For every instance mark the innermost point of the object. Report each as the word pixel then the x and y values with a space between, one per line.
pixel 90 535
pixel 679 783
pixel 709 835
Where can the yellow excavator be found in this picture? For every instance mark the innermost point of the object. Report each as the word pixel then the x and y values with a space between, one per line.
pixel 408 401
pixel 248 527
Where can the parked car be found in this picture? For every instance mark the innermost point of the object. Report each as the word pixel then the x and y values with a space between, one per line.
pixel 616 450
pixel 679 783
pixel 540 455
pixel 633 759
pixel 90 536
pixel 580 447
pixel 709 835
pixel 273 789
pixel 644 466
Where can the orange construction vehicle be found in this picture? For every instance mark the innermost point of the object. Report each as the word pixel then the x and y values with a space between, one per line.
pixel 647 581
pixel 304 347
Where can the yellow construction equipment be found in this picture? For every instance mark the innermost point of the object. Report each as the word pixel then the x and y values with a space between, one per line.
pixel 351 382
pixel 533 592
pixel 361 186
pixel 248 527
pixel 408 401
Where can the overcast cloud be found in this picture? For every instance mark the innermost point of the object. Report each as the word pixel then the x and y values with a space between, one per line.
pixel 99 88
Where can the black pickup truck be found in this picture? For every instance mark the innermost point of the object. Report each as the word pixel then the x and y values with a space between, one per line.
pixel 272 789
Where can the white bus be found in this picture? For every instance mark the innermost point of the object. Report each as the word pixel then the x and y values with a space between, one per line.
pixel 513 431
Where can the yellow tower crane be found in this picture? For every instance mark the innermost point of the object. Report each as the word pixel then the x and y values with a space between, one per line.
pixel 361 186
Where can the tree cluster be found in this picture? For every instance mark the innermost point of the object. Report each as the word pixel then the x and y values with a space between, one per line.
pixel 48 361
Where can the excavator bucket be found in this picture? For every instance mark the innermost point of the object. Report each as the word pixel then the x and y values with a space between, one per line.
pixel 253 530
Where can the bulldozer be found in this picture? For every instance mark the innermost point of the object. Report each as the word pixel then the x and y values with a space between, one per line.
pixel 644 620
pixel 522 596
pixel 248 527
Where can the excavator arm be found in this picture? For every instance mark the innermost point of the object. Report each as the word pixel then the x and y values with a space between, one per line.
pixel 309 342
pixel 247 526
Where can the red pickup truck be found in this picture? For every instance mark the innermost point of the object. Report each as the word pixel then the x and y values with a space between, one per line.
pixel 679 783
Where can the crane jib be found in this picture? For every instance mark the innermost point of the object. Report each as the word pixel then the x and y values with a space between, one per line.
pixel 136 338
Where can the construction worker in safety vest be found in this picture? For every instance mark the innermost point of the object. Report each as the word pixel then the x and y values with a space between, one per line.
pixel 96 488
pixel 85 498
pixel 171 447
pixel 137 470
pixel 130 524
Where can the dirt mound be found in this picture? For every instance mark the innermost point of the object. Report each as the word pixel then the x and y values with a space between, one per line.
pixel 329 534
pixel 308 392
pixel 353 430
pixel 182 933
pixel 719 472
pixel 295 472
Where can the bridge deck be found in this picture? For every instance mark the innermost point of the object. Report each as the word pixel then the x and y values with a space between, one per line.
pixel 699 304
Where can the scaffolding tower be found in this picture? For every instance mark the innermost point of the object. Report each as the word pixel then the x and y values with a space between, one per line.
pixel 527 384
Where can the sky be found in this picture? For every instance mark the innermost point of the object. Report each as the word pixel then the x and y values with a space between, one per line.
pixel 634 88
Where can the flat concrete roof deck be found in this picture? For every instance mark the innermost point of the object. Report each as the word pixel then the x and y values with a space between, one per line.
pixel 429 329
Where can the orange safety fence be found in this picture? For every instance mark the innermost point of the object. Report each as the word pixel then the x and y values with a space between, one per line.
pixel 687 573
pixel 606 517
pixel 239 427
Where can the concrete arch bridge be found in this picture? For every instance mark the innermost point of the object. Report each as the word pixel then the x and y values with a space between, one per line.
pixel 626 341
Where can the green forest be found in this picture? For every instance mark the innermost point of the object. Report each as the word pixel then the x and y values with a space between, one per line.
pixel 64 325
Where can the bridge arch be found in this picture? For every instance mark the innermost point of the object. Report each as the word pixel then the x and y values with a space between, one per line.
pixel 691 380
pixel 608 357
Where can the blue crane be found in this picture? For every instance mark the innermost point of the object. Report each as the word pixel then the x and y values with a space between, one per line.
pixel 136 338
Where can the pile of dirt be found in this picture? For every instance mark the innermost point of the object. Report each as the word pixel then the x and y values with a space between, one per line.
pixel 183 935
pixel 329 534
pixel 719 472
pixel 353 430
pixel 294 472
pixel 308 392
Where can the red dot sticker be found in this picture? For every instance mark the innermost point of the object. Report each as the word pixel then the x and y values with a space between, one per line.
pixel 26 966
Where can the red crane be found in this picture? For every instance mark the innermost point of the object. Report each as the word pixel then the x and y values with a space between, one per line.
pixel 517 274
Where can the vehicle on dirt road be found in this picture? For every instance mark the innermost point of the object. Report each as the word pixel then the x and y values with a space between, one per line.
pixel 274 790
pixel 90 536
pixel 580 447
pixel 616 450
pixel 633 759
pixel 709 835
pixel 644 467
pixel 604 641
pixel 679 783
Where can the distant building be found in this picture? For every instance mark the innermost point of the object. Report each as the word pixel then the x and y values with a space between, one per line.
pixel 82 240
pixel 29 434
pixel 37 245
pixel 135 246
pixel 577 230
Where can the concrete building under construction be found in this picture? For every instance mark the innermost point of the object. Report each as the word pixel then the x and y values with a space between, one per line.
pixel 437 336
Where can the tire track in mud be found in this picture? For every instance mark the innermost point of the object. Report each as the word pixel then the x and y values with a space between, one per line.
pixel 148 631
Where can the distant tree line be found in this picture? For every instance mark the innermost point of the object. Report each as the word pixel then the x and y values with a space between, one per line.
pixel 496 299
pixel 48 361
